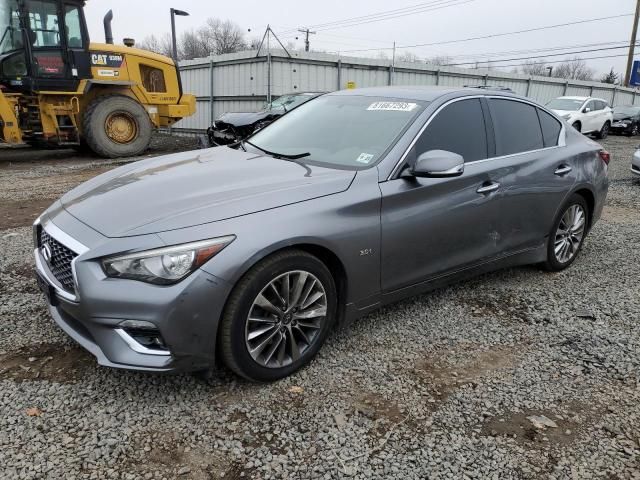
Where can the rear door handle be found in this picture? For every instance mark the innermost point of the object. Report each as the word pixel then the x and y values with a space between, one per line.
pixel 492 187
pixel 563 170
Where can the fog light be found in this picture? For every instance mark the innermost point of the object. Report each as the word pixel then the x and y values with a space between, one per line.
pixel 142 337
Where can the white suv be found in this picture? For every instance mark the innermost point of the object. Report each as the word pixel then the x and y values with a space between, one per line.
pixel 585 114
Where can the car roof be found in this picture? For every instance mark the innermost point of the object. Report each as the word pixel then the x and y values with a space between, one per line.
pixel 424 93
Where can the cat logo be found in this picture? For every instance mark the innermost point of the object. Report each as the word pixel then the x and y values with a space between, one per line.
pixel 106 60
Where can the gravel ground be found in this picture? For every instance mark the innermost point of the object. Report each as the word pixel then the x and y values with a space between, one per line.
pixel 440 386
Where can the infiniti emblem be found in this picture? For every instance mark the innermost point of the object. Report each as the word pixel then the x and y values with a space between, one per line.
pixel 46 252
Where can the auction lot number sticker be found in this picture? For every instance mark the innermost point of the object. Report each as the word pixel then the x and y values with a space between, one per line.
pixel 393 106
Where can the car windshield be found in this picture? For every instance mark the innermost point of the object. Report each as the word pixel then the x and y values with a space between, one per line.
pixel 10 34
pixel 339 130
pixel 627 110
pixel 569 104
pixel 290 101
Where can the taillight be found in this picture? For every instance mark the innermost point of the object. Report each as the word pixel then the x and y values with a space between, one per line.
pixel 605 156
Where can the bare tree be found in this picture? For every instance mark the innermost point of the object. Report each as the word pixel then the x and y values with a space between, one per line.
pixel 192 45
pixel 535 68
pixel 574 69
pixel 161 45
pixel 222 36
pixel 409 57
pixel 439 60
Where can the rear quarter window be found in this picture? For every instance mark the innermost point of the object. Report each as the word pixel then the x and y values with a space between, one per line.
pixel 516 126
pixel 550 128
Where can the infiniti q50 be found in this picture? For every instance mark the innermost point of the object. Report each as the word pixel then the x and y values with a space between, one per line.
pixel 248 255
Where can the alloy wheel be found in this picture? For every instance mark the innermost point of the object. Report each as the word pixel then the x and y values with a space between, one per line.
pixel 285 319
pixel 570 233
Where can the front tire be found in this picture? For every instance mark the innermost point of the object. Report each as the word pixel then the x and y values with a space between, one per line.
pixel 567 234
pixel 117 126
pixel 278 316
pixel 634 130
pixel 604 131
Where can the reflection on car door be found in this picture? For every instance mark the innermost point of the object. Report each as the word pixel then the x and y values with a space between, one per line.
pixel 534 173
pixel 435 226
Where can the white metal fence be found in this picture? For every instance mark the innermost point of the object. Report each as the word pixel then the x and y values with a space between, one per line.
pixel 244 82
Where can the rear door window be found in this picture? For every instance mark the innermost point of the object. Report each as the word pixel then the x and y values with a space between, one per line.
pixel 458 128
pixel 516 125
pixel 550 128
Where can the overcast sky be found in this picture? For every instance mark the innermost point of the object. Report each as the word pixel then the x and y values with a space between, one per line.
pixel 134 18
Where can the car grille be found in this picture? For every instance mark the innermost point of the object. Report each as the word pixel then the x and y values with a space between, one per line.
pixel 60 263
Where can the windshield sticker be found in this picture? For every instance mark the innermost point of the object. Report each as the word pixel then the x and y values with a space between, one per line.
pixel 393 106
pixel 364 158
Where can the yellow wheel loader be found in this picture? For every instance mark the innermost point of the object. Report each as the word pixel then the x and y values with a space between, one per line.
pixel 57 89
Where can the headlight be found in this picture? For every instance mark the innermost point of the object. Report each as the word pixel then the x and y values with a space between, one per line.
pixel 164 266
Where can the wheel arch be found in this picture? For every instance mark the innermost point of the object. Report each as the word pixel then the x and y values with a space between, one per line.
pixel 590 198
pixel 320 250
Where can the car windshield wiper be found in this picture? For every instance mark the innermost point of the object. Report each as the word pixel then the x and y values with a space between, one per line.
pixel 279 155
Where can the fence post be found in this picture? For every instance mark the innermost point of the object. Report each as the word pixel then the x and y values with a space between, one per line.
pixel 566 87
pixel 211 110
pixel 528 87
pixel 486 78
pixel 634 98
pixel 591 91
pixel 613 99
pixel 269 77
pixel 438 77
pixel 390 81
pixel 339 74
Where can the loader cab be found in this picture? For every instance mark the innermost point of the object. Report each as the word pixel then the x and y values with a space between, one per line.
pixel 44 45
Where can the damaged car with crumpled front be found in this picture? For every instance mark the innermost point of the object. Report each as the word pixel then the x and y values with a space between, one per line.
pixel 232 127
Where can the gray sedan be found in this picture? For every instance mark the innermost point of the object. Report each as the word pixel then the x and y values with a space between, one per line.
pixel 250 255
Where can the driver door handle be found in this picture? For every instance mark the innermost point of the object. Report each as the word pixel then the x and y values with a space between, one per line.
pixel 563 170
pixel 488 188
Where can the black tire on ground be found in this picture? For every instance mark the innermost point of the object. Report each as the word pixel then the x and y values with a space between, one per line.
pixel 121 111
pixel 604 131
pixel 634 130
pixel 553 264
pixel 577 126
pixel 232 345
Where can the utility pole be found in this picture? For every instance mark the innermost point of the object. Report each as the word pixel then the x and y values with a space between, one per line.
pixel 307 32
pixel 632 45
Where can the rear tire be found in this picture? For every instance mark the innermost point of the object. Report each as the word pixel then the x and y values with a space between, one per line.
pixel 292 332
pixel 604 131
pixel 117 126
pixel 567 234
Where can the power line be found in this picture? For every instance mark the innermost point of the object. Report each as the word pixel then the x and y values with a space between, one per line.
pixel 537 56
pixel 535 50
pixel 387 15
pixel 560 61
pixel 494 35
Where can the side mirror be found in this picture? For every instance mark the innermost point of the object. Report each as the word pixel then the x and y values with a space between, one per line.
pixel 438 164
pixel 586 110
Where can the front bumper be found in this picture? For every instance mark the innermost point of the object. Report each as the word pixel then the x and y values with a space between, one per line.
pixel 619 128
pixel 185 315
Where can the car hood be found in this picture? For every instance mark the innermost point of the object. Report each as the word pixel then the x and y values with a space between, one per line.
pixel 242 119
pixel 621 116
pixel 193 188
